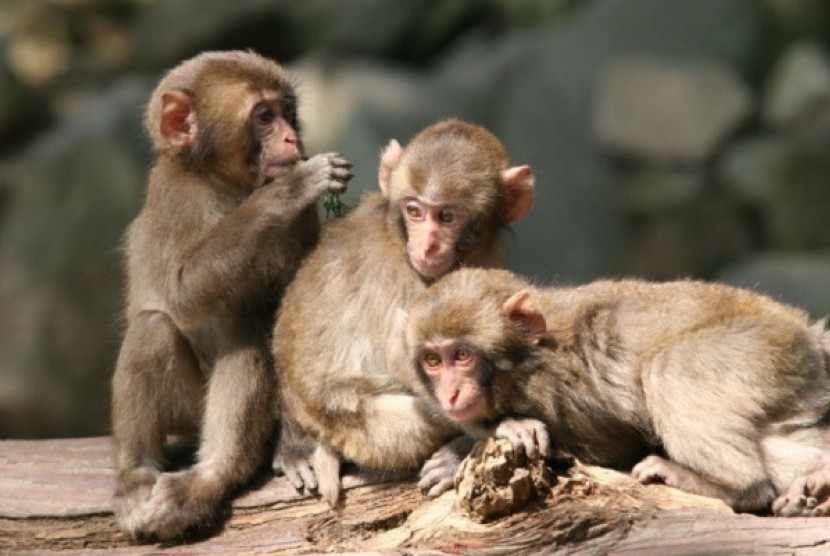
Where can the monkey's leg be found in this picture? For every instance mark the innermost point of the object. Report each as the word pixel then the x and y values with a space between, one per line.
pixel 699 391
pixel 156 389
pixel 391 431
pixel 237 423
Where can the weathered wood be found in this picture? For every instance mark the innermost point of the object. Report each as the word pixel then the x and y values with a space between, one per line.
pixel 54 495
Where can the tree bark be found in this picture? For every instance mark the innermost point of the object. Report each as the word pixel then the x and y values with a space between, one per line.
pixel 55 495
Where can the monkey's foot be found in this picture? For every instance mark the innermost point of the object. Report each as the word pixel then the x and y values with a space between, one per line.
pixel 326 463
pixel 176 503
pixel 132 492
pixel 808 496
pixel 654 469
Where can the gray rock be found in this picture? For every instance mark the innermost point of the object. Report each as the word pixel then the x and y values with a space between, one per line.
pixel 61 284
pixel 657 189
pixel 797 278
pixel 535 92
pixel 662 110
pixel 753 169
pixel 799 88
pixel 786 179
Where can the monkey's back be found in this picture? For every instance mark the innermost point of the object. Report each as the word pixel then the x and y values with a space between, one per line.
pixel 705 346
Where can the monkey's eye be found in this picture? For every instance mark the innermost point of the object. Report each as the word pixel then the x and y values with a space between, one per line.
pixel 452 215
pixel 264 114
pixel 431 359
pixel 413 211
pixel 463 354
pixel 446 216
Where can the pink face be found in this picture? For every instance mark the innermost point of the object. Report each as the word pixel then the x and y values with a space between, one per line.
pixel 432 233
pixel 280 142
pixel 453 369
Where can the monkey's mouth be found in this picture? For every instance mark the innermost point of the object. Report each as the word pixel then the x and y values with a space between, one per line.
pixel 467 412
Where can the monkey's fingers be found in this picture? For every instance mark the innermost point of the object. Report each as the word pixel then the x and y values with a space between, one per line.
pixel 437 475
pixel 300 475
pixel 652 469
pixel 336 159
pixel 531 435
pixel 433 486
pixel 807 496
pixel 341 169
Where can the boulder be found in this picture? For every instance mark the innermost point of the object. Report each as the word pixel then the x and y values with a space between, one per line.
pixel 798 91
pixel 664 110
pixel 61 286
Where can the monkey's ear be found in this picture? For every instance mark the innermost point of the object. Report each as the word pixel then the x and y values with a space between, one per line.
pixel 518 187
pixel 178 120
pixel 523 313
pixel 389 160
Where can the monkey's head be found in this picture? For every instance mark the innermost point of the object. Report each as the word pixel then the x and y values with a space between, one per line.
pixel 450 191
pixel 465 335
pixel 232 114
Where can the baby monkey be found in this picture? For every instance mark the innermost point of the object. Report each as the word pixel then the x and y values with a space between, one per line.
pixel 712 389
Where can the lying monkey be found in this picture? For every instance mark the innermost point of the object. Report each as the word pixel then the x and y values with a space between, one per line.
pixel 711 389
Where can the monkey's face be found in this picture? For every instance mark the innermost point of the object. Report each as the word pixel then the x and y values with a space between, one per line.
pixel 454 370
pixel 276 142
pixel 433 231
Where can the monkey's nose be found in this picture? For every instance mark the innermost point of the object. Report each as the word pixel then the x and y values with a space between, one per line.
pixel 454 398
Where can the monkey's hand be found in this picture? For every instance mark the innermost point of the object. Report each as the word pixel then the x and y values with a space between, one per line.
pixel 531 435
pixel 324 172
pixel 438 473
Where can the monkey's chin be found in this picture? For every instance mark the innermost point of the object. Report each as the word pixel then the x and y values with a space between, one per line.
pixel 433 269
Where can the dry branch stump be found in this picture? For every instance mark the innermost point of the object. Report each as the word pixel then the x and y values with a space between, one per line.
pixel 55 495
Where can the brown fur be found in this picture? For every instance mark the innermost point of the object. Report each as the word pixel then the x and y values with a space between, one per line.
pixel 228 215
pixel 731 386
pixel 341 382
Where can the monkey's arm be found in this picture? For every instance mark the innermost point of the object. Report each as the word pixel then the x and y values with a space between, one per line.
pixel 219 266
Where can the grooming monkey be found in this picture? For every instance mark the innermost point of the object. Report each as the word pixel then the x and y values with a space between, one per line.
pixel 443 201
pixel 714 390
pixel 228 215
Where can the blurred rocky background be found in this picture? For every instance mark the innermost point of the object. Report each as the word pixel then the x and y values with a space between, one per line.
pixel 682 138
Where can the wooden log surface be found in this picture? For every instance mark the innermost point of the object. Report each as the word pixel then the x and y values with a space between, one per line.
pixel 55 495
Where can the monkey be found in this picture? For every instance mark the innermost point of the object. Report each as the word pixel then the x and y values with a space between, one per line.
pixel 443 202
pixel 229 212
pixel 711 389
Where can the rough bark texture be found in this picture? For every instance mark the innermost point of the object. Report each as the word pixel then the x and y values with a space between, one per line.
pixel 54 495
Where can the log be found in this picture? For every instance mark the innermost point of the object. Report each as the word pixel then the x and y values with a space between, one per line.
pixel 55 495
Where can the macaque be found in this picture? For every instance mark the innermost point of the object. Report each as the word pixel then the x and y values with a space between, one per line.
pixel 711 389
pixel 228 215
pixel 443 201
